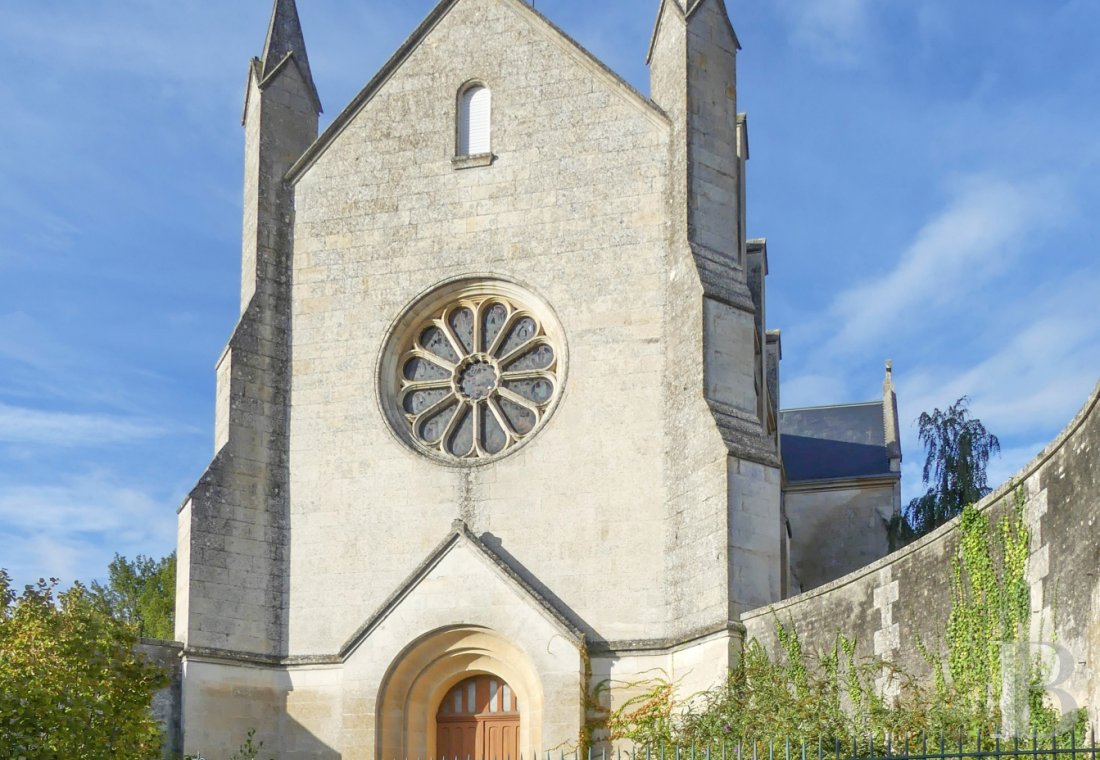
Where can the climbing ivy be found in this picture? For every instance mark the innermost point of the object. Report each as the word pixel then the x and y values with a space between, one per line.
pixel 991 608
pixel 834 695
pixel 991 601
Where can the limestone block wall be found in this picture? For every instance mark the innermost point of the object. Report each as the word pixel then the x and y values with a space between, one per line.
pixel 693 667
pixel 888 604
pixel 295 710
pixel 755 535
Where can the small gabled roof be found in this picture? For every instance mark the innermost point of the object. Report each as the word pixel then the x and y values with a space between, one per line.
pixel 436 15
pixel 461 534
pixel 835 442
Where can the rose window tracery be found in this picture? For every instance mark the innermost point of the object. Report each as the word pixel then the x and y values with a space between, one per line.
pixel 476 377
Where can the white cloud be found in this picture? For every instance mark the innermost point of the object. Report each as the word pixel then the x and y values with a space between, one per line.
pixel 71 529
pixel 959 320
pixel 23 340
pixel 21 425
pixel 1037 378
pixel 1026 389
pixel 145 39
pixel 980 233
pixel 834 31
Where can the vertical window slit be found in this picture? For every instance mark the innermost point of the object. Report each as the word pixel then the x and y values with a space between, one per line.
pixel 474 121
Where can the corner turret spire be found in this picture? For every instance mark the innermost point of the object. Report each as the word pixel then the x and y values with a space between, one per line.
pixel 890 417
pixel 285 41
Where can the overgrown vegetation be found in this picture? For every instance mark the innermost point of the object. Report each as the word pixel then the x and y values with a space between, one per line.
pixel 71 684
pixel 834 695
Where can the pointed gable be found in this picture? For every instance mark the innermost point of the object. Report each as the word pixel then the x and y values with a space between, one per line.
pixel 422 35
pixel 462 567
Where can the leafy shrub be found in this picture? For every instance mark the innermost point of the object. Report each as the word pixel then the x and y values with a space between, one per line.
pixel 71 684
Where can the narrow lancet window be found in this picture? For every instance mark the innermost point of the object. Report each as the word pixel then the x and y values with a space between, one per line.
pixel 474 116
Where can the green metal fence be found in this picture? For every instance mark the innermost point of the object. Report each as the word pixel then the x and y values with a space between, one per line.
pixel 1067 746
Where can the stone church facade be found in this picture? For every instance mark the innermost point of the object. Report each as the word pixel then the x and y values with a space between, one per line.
pixel 500 418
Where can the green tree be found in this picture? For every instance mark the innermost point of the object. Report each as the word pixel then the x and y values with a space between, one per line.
pixel 71 684
pixel 958 450
pixel 142 593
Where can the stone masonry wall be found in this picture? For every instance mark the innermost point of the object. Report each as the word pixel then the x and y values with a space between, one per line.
pixel 890 603
pixel 838 529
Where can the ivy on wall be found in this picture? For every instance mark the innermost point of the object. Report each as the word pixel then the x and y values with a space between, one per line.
pixel 991 601
pixel 835 695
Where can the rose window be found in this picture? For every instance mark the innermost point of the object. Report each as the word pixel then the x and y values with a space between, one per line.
pixel 476 377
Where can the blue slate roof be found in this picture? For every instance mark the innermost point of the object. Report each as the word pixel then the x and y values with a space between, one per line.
pixel 834 442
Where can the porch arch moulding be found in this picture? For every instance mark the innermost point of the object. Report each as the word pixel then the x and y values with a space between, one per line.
pixel 422 674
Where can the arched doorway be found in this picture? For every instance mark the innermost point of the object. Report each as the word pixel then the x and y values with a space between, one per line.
pixel 425 675
pixel 479 719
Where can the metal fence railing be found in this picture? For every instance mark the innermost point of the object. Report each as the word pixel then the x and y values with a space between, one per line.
pixel 1068 746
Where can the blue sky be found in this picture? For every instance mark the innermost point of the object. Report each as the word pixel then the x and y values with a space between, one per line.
pixel 925 172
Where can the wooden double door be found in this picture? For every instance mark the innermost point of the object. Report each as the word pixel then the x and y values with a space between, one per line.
pixel 478 720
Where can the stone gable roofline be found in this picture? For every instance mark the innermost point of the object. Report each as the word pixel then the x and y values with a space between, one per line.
pixel 413 42
pixel 461 533
pixel 693 5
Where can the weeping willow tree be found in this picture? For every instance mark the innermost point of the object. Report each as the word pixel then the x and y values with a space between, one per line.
pixel 958 448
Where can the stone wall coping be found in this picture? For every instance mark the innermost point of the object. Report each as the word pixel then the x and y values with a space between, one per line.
pixel 940 533
pixel 161 644
pixel 665 646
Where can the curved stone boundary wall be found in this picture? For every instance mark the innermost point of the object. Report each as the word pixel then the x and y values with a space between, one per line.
pixel 887 605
